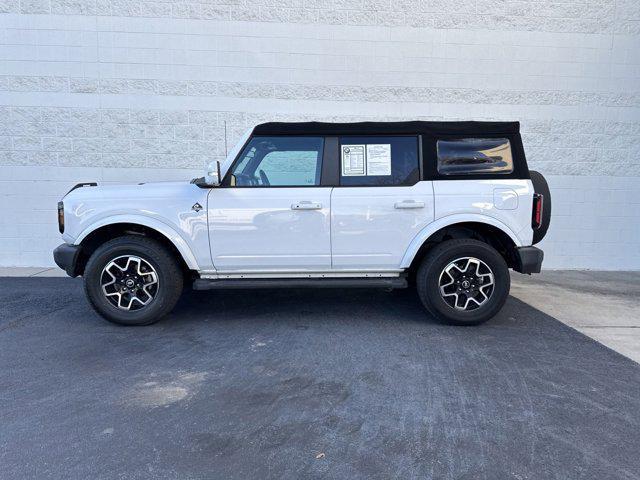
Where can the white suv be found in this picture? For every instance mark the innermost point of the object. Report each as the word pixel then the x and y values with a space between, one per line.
pixel 446 206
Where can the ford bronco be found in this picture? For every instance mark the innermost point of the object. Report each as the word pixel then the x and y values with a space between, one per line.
pixel 447 207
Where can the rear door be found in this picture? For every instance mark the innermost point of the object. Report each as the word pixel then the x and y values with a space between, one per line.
pixel 380 203
pixel 272 214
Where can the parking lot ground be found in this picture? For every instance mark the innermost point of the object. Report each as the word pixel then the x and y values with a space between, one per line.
pixel 306 384
pixel 603 305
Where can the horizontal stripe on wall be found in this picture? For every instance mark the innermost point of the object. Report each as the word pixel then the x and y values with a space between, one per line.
pixel 332 93
pixel 116 138
pixel 604 16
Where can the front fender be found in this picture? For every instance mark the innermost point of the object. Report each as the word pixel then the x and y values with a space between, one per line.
pixel 169 232
pixel 443 222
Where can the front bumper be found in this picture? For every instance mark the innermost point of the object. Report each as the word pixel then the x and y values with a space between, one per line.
pixel 528 260
pixel 66 257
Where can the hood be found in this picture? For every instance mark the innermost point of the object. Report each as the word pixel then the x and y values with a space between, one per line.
pixel 95 191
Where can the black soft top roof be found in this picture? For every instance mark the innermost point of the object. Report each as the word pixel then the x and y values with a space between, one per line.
pixel 382 128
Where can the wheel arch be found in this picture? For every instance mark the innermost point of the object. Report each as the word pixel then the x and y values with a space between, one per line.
pixel 488 230
pixel 96 234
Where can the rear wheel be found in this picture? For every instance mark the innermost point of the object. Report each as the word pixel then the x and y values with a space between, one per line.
pixel 132 280
pixel 463 282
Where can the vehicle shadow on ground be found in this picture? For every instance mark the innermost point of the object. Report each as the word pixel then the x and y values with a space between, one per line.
pixel 260 304
pixel 350 306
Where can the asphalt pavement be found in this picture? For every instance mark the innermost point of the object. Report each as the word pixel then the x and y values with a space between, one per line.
pixel 306 384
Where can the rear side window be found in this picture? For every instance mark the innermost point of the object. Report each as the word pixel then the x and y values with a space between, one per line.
pixel 467 156
pixel 379 161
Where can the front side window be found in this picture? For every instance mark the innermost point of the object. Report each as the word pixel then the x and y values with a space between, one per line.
pixel 379 161
pixel 468 156
pixel 279 162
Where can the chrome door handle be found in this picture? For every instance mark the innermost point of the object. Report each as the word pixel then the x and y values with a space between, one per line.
pixel 305 205
pixel 409 204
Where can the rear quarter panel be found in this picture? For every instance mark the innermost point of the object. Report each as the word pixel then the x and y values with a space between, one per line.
pixel 509 201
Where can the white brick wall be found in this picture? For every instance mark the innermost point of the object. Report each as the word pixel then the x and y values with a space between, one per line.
pixel 124 90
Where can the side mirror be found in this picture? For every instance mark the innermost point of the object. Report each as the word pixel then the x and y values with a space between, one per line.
pixel 212 175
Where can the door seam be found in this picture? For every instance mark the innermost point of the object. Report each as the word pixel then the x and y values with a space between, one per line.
pixel 331 228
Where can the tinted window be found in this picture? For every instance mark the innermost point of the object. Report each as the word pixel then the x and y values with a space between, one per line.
pixel 474 155
pixel 379 160
pixel 279 161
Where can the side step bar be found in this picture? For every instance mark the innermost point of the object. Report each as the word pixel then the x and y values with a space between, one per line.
pixel 381 282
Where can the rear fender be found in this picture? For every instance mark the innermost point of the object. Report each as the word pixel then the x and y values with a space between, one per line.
pixel 443 222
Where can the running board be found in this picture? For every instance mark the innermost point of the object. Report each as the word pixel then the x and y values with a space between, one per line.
pixel 359 282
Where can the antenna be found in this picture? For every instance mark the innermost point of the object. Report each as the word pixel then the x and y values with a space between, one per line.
pixel 225 139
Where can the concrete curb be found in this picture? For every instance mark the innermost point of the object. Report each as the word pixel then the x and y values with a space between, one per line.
pixel 31 272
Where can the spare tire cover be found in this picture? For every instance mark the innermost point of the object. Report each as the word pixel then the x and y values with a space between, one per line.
pixel 540 186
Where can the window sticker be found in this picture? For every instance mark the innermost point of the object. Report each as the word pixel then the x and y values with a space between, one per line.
pixel 353 160
pixel 379 159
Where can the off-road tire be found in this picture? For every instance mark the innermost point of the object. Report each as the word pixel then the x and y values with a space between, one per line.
pixel 428 278
pixel 170 278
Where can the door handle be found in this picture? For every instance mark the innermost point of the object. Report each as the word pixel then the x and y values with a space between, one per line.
pixel 408 204
pixel 306 205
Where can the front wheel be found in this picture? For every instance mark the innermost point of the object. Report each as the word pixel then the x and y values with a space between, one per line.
pixel 132 280
pixel 463 282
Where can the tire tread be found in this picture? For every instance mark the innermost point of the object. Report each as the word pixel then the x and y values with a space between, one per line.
pixel 434 256
pixel 152 248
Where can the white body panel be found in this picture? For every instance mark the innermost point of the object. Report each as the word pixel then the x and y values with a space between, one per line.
pixel 257 229
pixel 164 207
pixel 447 221
pixel 356 231
pixel 488 200
pixel 372 227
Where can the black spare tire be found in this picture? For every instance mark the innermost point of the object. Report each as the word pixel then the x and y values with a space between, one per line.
pixel 541 187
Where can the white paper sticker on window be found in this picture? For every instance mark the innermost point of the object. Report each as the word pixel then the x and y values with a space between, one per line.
pixel 379 159
pixel 353 160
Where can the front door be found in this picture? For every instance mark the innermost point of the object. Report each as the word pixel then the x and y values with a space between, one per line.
pixel 271 212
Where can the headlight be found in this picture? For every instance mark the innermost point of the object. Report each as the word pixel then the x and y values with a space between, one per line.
pixel 61 217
